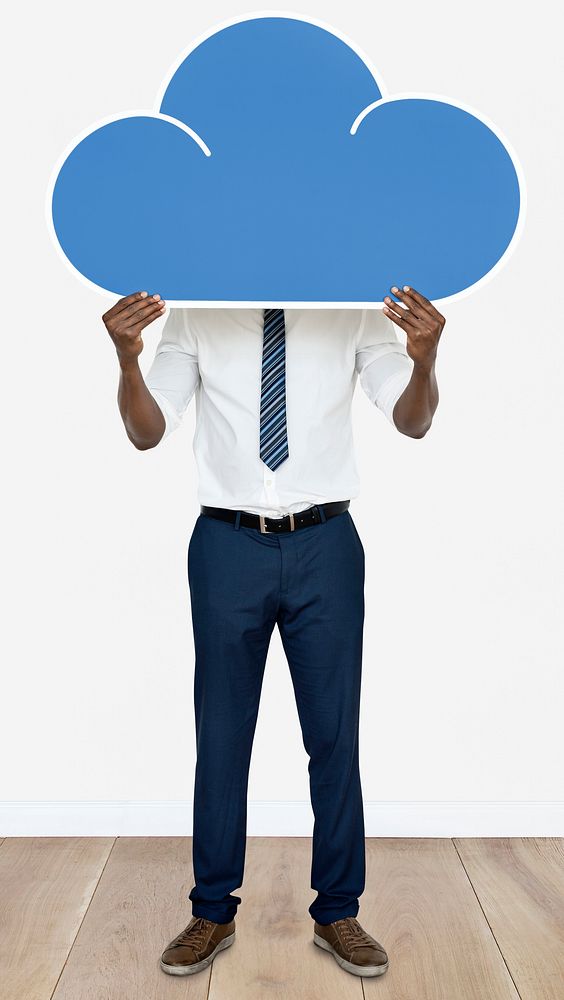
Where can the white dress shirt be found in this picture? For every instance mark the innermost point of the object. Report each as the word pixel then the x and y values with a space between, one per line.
pixel 216 354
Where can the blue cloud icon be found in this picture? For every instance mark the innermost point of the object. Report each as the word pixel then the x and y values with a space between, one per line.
pixel 276 171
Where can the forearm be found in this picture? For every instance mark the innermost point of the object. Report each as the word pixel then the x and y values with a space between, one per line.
pixel 141 415
pixel 413 412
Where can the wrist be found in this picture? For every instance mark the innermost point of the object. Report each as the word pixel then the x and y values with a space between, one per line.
pixel 424 368
pixel 129 366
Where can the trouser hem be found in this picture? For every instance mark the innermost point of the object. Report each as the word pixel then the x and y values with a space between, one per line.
pixel 329 916
pixel 202 911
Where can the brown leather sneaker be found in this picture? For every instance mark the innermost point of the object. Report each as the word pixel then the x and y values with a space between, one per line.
pixel 351 946
pixel 196 946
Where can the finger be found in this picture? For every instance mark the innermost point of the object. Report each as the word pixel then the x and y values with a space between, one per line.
pixel 421 300
pixel 143 317
pixel 138 305
pixel 137 312
pixel 122 304
pixel 403 315
pixel 410 301
pixel 395 319
pixel 139 302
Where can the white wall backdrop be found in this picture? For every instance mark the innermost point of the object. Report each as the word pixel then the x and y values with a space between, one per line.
pixel 463 669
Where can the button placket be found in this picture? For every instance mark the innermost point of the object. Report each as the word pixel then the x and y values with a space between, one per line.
pixel 270 492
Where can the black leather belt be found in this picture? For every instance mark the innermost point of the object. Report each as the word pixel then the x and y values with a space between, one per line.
pixel 275 525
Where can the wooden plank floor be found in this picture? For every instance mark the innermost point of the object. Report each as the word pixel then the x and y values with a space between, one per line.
pixel 520 885
pixel 46 885
pixel 462 919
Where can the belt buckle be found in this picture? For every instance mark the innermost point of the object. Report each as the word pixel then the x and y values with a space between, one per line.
pixel 265 531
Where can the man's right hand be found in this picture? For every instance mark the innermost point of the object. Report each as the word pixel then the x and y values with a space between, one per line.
pixel 142 417
pixel 125 321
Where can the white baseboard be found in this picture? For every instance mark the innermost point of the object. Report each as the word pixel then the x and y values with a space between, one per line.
pixel 281 819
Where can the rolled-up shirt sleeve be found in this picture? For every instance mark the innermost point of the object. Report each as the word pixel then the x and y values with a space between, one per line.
pixel 174 374
pixel 382 362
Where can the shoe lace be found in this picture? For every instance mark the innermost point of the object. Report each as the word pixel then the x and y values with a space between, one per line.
pixel 354 936
pixel 195 933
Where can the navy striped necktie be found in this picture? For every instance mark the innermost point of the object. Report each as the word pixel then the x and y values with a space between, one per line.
pixel 273 431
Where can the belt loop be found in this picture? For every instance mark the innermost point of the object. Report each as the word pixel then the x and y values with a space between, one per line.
pixel 237 520
pixel 321 513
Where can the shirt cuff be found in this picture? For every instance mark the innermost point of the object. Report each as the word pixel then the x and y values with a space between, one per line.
pixel 390 392
pixel 171 418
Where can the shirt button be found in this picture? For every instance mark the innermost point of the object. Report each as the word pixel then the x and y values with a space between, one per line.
pixel 269 482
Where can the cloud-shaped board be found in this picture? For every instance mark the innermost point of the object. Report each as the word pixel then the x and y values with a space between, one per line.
pixel 275 171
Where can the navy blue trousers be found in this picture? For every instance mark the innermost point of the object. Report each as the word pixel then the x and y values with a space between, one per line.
pixel 311 584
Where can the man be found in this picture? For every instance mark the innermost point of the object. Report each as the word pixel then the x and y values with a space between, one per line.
pixel 275 544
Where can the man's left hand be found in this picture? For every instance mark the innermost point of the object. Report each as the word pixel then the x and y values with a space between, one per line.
pixel 422 323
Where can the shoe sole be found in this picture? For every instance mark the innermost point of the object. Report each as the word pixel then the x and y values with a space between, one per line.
pixel 357 970
pixel 187 970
